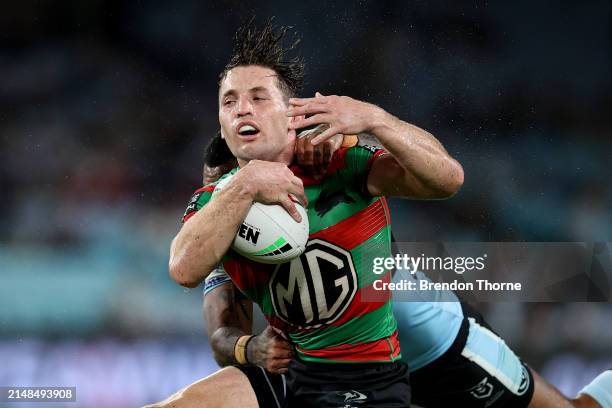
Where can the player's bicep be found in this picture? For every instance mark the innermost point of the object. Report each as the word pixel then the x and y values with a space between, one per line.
pixel 388 178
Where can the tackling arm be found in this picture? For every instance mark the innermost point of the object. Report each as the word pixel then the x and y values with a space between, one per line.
pixel 418 166
pixel 227 320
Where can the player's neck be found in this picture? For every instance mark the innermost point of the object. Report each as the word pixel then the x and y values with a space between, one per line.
pixel 285 156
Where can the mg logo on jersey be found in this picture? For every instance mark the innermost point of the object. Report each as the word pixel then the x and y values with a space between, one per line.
pixel 316 288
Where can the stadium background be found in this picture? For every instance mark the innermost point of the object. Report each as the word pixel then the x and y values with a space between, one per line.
pixel 106 106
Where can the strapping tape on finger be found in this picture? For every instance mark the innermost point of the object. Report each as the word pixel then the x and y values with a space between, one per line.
pixel 317 130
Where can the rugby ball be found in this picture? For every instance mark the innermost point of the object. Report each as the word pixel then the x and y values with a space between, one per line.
pixel 268 233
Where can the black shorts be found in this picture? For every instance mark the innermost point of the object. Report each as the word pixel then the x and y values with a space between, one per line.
pixel 478 370
pixel 383 385
pixel 270 389
pixel 310 385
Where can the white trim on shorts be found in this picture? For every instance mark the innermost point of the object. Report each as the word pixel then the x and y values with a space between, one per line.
pixel 272 388
pixel 491 353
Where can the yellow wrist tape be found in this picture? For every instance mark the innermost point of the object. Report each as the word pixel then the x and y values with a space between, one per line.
pixel 240 349
pixel 349 140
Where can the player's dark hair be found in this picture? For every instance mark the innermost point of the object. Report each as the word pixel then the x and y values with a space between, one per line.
pixel 216 152
pixel 263 46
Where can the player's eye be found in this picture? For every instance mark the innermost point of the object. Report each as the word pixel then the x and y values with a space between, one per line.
pixel 228 102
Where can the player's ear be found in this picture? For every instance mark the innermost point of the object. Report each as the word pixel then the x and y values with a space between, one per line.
pixel 221 134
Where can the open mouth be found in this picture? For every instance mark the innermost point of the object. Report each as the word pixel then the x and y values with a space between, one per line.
pixel 247 130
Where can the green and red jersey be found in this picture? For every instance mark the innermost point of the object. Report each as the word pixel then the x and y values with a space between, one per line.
pixel 317 298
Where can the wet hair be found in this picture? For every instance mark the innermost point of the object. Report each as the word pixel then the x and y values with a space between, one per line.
pixel 263 46
pixel 216 152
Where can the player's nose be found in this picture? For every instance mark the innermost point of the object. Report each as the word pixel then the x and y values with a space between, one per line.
pixel 244 106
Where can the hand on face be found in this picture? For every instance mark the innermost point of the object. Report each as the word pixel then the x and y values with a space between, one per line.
pixel 344 115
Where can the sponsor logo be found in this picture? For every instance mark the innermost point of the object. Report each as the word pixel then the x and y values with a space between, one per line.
pixel 525 382
pixel 316 288
pixel 482 390
pixel 352 396
pixel 192 205
pixel 249 233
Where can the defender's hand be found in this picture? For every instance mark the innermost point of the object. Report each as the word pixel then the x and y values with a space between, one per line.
pixel 316 159
pixel 343 115
pixel 272 183
pixel 270 351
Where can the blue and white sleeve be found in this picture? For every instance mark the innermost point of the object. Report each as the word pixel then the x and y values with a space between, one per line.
pixel 215 279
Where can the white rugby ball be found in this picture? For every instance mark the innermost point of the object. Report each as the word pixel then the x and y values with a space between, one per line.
pixel 268 233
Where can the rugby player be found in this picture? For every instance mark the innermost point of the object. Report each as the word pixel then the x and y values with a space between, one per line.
pixel 351 346
pixel 455 358
pixel 443 375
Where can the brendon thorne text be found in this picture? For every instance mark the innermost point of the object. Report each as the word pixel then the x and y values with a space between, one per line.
pixel 479 284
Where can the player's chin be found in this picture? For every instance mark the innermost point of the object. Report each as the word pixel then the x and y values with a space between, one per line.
pixel 252 152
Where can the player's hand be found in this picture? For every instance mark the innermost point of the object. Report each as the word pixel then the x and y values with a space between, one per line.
pixel 270 351
pixel 273 183
pixel 316 159
pixel 344 115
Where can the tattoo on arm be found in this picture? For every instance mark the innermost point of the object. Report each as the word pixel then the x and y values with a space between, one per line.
pixel 223 342
pixel 244 311
pixel 227 319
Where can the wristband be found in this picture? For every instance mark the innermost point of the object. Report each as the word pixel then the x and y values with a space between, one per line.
pixel 240 349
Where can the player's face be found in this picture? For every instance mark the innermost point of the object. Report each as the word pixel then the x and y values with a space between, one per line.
pixel 252 114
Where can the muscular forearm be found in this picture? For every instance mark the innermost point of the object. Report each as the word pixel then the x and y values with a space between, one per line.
pixel 222 342
pixel 420 154
pixel 418 166
pixel 226 325
pixel 205 238
pixel 226 321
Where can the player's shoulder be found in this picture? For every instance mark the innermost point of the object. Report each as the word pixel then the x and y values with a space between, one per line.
pixel 226 176
pixel 210 187
pixel 198 199
pixel 357 150
pixel 203 191
pixel 202 195
pixel 344 162
pixel 347 158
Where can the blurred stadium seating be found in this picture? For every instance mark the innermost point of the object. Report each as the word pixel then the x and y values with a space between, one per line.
pixel 107 106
